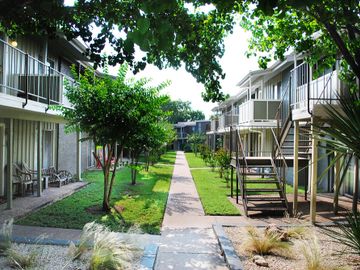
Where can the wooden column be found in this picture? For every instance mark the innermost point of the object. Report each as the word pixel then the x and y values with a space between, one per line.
pixel 336 184
pixel 2 159
pixel 78 155
pixel 356 184
pixel 9 167
pixel 296 167
pixel 39 158
pixel 314 164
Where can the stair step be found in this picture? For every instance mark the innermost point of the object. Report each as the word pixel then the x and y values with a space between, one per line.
pixel 263 209
pixel 259 173
pixel 262 199
pixel 249 181
pixel 292 147
pixel 262 189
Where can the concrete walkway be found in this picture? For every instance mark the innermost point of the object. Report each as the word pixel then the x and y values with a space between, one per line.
pixel 188 241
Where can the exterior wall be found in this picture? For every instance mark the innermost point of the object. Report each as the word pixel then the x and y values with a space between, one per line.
pixel 67 157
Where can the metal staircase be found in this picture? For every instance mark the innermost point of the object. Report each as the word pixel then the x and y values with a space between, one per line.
pixel 260 186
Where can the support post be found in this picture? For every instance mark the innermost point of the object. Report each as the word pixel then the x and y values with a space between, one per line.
pixel 9 168
pixel 296 167
pixel 39 158
pixel 78 155
pixel 314 163
pixel 336 184
pixel 356 184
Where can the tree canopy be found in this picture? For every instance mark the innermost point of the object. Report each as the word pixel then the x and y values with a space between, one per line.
pixel 181 111
pixel 173 32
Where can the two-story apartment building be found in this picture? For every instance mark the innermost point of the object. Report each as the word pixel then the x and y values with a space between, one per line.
pixel 33 72
pixel 272 116
pixel 184 129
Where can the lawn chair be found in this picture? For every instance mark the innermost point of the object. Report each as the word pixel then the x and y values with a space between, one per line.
pixel 23 178
pixel 60 177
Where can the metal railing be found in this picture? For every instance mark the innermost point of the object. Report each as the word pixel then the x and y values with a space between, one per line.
pixel 257 110
pixel 26 77
pixel 308 92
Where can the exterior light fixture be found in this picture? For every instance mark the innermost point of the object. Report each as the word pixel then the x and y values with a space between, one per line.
pixel 13 43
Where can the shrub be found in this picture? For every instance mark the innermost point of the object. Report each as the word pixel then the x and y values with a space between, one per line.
pixel 264 244
pixel 311 252
pixel 5 236
pixel 187 148
pixel 223 160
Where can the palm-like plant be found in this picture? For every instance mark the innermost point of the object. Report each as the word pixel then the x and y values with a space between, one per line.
pixel 340 132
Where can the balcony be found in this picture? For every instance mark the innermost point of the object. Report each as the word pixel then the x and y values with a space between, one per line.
pixel 214 124
pixel 321 91
pixel 258 112
pixel 23 76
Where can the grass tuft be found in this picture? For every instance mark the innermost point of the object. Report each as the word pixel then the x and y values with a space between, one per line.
pixel 297 232
pixel 19 260
pixel 5 236
pixel 264 244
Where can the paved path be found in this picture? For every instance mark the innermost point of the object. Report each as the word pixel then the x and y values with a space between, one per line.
pixel 188 241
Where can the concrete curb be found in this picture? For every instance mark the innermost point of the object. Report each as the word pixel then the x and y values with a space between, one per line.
pixel 149 257
pixel 231 258
pixel 147 261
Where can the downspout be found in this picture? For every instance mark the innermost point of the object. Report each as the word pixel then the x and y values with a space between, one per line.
pixel 26 80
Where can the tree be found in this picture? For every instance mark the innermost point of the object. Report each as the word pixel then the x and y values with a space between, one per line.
pixel 324 30
pixel 174 32
pixel 181 111
pixel 110 111
pixel 170 32
pixel 195 140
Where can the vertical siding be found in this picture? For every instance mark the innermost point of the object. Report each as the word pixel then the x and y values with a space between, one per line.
pixel 25 141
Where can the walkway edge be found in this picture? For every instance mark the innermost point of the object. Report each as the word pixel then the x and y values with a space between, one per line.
pixel 231 258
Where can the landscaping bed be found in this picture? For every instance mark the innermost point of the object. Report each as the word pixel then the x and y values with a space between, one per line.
pixel 313 247
pixel 142 205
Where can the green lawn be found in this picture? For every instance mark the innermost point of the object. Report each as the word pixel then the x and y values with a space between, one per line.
pixel 143 204
pixel 213 193
pixel 195 161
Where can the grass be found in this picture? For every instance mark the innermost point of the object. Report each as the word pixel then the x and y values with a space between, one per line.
pixel 264 244
pixel 142 205
pixel 213 193
pixel 195 161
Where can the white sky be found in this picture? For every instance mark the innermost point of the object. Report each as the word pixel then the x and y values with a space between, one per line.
pixel 234 63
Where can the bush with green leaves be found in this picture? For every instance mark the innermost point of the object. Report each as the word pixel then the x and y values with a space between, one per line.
pixel 223 160
pixel 204 151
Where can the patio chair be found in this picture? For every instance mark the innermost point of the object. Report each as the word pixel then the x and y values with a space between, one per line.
pixel 23 178
pixel 60 177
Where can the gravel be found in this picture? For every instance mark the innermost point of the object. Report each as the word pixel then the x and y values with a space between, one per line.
pixel 48 257
pixel 333 255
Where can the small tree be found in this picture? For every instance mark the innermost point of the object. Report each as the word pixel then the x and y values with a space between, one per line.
pixel 108 110
pixel 223 160
pixel 195 140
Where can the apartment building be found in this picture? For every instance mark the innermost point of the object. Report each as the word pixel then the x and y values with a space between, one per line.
pixel 33 72
pixel 267 126
pixel 184 129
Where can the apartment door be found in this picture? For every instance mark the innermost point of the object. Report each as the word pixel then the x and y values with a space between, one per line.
pixel 47 149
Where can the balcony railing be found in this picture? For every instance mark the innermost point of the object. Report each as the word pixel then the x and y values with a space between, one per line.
pixel 323 90
pixel 258 111
pixel 26 77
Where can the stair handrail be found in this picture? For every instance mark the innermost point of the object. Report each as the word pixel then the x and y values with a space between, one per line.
pixel 278 153
pixel 279 108
pixel 244 167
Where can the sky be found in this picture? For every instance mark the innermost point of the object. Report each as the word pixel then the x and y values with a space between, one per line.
pixel 234 63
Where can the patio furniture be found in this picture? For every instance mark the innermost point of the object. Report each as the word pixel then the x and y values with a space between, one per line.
pixel 60 177
pixel 23 179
